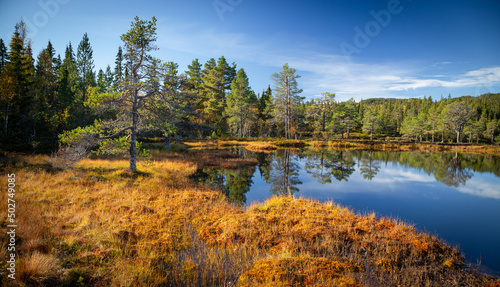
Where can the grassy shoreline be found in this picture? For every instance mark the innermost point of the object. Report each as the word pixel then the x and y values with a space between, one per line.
pixel 98 224
pixel 375 145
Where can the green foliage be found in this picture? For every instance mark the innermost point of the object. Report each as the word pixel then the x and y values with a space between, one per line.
pixel 42 98
pixel 241 103
pixel 72 137
pixel 117 146
pixel 286 97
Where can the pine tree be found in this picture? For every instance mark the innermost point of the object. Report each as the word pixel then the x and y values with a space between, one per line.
pixel 216 79
pixel 286 94
pixel 240 104
pixel 325 103
pixel 458 115
pixel 194 75
pixel 371 121
pixel 491 128
pixel 345 117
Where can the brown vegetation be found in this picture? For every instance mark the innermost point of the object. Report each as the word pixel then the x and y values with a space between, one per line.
pixel 421 147
pixel 98 224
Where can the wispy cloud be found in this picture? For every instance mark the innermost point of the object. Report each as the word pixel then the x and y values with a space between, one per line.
pixel 326 72
pixel 388 176
pixel 481 188
pixel 485 76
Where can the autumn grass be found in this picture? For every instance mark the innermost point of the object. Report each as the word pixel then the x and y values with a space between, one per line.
pixel 99 224
pixel 379 145
pixel 266 145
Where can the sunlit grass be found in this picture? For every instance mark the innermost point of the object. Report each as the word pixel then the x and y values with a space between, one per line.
pixel 98 224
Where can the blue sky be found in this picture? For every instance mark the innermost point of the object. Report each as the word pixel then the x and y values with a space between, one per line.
pixel 358 49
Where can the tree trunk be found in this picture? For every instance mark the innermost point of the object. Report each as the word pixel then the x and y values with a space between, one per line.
pixel 168 141
pixel 241 126
pixel 133 136
pixel 324 120
pixel 6 120
pixel 348 125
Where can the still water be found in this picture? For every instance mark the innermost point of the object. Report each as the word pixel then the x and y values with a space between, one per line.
pixel 451 195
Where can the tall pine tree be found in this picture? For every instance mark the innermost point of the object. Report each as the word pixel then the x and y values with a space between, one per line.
pixel 240 103
pixel 286 94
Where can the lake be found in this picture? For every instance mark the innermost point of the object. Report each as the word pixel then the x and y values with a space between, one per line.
pixel 451 195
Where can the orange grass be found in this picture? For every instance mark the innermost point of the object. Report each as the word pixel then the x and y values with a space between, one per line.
pixel 421 147
pixel 98 224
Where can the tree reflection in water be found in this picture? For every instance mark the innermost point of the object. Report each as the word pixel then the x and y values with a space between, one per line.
pixel 280 169
pixel 323 164
pixel 368 167
pixel 284 173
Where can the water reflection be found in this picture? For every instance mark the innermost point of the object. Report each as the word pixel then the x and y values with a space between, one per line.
pixel 325 164
pixel 368 167
pixel 281 170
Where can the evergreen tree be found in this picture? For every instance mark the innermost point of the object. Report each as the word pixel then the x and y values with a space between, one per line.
pixel 240 104
pixel 217 80
pixel 194 74
pixel 49 113
pixel 119 73
pixel 458 115
pixel 491 129
pixel 109 77
pixel 3 55
pixel 17 87
pixel 123 110
pixel 286 93
pixel 85 68
pixel 371 122
pixel 345 117
pixel 325 103
pixel 101 81
pixel 265 112
pixel 68 86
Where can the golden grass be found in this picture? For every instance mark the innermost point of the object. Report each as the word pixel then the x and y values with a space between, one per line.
pixel 37 268
pixel 378 145
pixel 100 225
pixel 421 147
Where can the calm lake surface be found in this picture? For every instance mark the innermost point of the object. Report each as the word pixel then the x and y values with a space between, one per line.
pixel 454 196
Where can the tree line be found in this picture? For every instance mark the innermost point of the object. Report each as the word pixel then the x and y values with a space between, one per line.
pixel 54 102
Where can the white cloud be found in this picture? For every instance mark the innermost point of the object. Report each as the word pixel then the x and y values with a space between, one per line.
pixel 324 72
pixel 485 76
pixel 482 189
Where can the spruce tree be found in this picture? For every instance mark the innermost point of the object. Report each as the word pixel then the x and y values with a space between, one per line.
pixel 68 86
pixel 119 71
pixel 3 55
pixel 85 68
pixel 17 87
